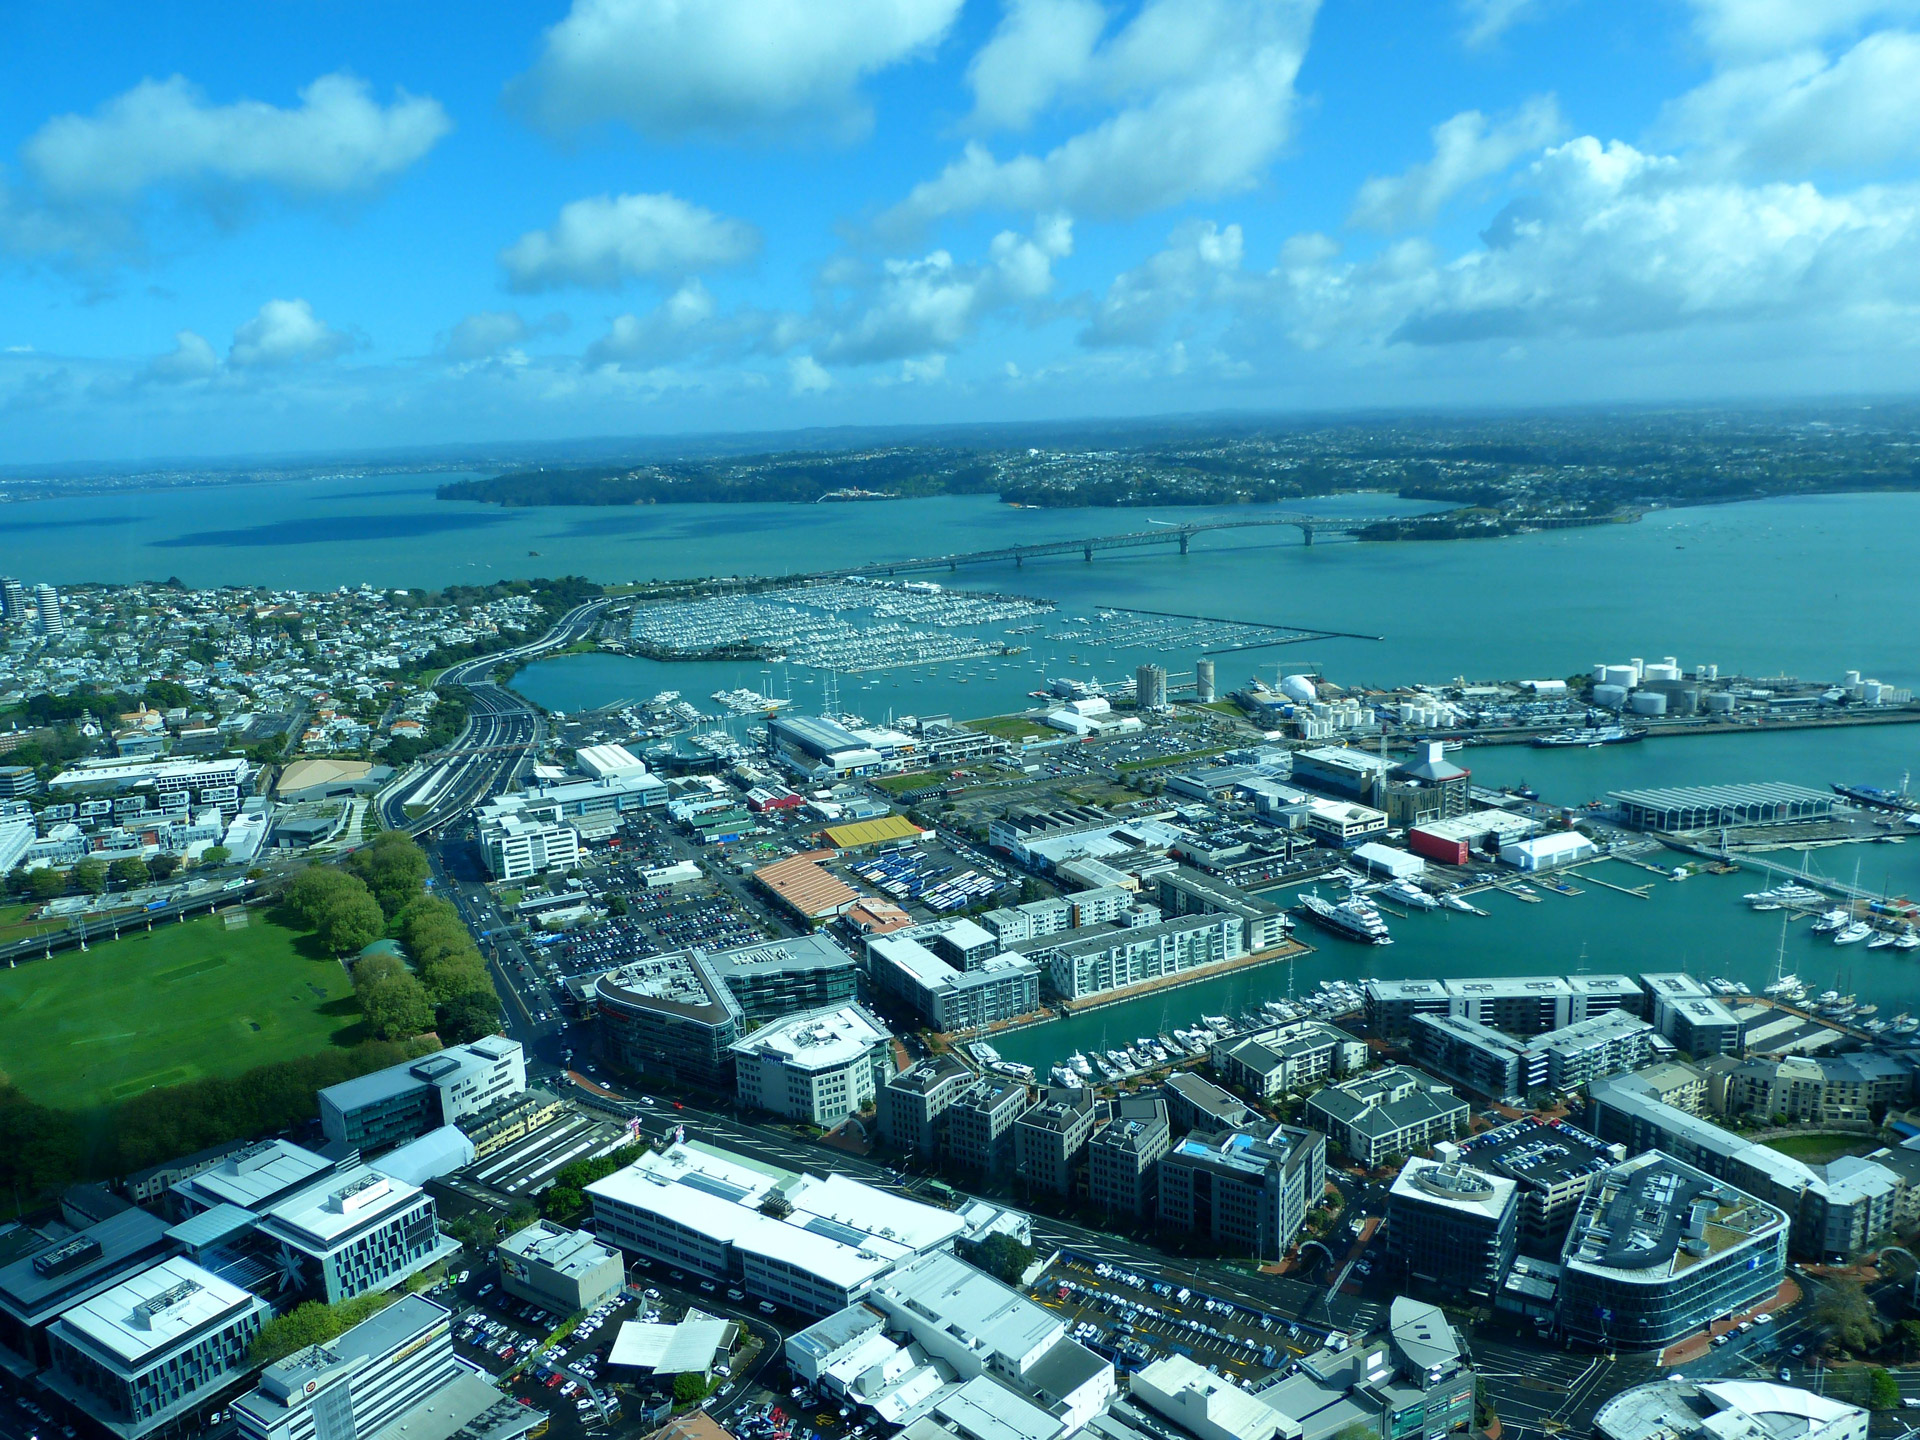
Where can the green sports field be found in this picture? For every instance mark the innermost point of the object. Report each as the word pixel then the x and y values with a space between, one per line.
pixel 185 1001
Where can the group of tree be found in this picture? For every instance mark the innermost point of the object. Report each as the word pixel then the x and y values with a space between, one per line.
pixel 565 1201
pixel 449 970
pixel 43 1148
pixel 338 907
pixel 91 877
pixel 314 1323
pixel 1005 1256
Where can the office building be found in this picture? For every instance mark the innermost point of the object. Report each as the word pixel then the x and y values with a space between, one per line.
pixel 1394 1111
pixel 1187 891
pixel 1050 1138
pixel 946 996
pixel 13 600
pixel 814 1245
pixel 392 1375
pixel 1204 1404
pixel 1122 1158
pixel 46 601
pixel 1248 1191
pixel 251 1177
pixel 1412 1383
pixel 818 1067
pixel 1659 1248
pixel 773 978
pixel 561 1270
pixel 913 1105
pixel 980 1123
pixel 669 1015
pixel 55 1274
pixel 516 847
pixel 355 1230
pixel 405 1101
pixel 1681 1409
pixel 150 1350
pixel 1553 1164
pixel 1288 1057
pixel 1452 1227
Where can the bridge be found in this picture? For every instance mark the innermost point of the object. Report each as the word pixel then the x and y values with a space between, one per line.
pixel 1181 535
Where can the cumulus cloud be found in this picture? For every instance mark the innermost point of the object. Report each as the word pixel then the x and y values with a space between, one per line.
pixel 487 333
pixel 1201 257
pixel 807 376
pixel 1040 48
pixel 1488 20
pixel 285 332
pixel 717 68
pixel 1771 27
pixel 339 139
pixel 603 241
pixel 1201 92
pixel 1468 148
pixel 191 358
pixel 1790 114
pixel 912 308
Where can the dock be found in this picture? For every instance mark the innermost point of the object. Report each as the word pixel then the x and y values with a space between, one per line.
pixel 1639 892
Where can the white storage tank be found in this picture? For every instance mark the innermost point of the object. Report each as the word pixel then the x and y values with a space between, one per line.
pixel 1600 674
pixel 1624 676
pixel 1718 702
pixel 1648 702
pixel 1664 671
pixel 1639 668
pixel 1853 678
pixel 1612 697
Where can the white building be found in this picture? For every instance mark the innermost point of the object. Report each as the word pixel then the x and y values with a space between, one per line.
pixel 820 1066
pixel 1546 852
pixel 1200 1402
pixel 408 1100
pixel 354 1231
pixel 1726 1410
pixel 516 847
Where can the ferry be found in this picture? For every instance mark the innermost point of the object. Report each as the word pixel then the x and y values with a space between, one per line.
pixel 1589 736
pixel 1354 918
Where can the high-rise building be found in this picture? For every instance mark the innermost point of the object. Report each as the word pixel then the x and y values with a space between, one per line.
pixel 1150 687
pixel 1453 1227
pixel 47 599
pixel 1247 1190
pixel 13 600
pixel 1203 684
pixel 1122 1158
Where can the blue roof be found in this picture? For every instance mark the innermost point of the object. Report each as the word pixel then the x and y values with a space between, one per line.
pixel 210 1227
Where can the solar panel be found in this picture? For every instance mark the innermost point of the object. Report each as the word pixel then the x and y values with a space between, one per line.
pixel 834 1230
pixel 725 1190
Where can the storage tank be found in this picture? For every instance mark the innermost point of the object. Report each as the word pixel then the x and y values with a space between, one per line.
pixel 1300 688
pixel 1639 668
pixel 1719 702
pixel 1203 681
pixel 1610 696
pixel 1648 702
pixel 1600 674
pixel 1684 701
pixel 1853 678
pixel 1660 672
pixel 1623 676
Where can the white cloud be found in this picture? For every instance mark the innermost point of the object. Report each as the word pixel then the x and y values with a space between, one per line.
pixel 1488 20
pixel 674 68
pixel 164 132
pixel 285 332
pixel 191 358
pixel 668 332
pixel 1771 27
pixel 486 333
pixel 605 240
pixel 1804 111
pixel 912 308
pixel 1204 90
pixel 1040 48
pixel 1200 257
pixel 807 376
pixel 1466 149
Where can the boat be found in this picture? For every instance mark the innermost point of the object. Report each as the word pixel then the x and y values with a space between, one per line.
pixel 1411 894
pixel 1463 905
pixel 1354 918
pixel 1881 940
pixel 1830 921
pixel 1590 736
pixel 1784 985
pixel 1866 1011
pixel 1852 933
pixel 1906 940
pixel 1874 798
pixel 1079 1062
pixel 1903 1024
pixel 1720 985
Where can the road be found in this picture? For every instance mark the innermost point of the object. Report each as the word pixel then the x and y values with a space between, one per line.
pixel 501 734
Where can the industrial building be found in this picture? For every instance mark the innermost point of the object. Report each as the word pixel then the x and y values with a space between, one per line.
pixel 799 883
pixel 1548 852
pixel 1708 807
pixel 813 1245
pixel 1452 1226
pixel 1461 839
pixel 1050 1137
pixel 561 1270
pixel 1394 1111
pixel 1246 1190
pixel 817 1067
pixel 139 1356
pixel 1554 1165
pixel 1123 1157
pixel 405 1101
pixel 1659 1248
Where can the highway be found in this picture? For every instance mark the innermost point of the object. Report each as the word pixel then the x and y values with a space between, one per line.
pixel 501 733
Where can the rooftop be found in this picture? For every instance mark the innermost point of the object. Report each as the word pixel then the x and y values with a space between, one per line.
pixel 256 1174
pixel 1655 1216
pixel 569 1252
pixel 1455 1186
pixel 155 1310
pixel 818 1039
pixel 1536 1152
pixel 327 1213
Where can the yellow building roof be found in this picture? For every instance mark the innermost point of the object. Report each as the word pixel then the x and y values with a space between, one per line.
pixel 872 832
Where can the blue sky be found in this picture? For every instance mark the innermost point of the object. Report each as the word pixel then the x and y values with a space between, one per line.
pixel 334 226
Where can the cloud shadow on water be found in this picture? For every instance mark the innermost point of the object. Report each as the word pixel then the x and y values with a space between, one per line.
pixel 332 529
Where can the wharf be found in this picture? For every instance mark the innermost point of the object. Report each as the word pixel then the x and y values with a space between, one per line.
pixel 1658 729
pixel 1639 892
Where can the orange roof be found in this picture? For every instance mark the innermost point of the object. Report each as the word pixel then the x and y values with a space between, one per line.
pixel 879 917
pixel 804 887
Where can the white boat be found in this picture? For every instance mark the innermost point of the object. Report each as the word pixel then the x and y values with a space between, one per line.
pixel 1784 984
pixel 1903 1024
pixel 1079 1063
pixel 1455 902
pixel 1852 933
pixel 1830 921
pixel 1409 893
pixel 1881 940
pixel 1906 940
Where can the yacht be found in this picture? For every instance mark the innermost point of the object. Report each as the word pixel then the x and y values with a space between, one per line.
pixel 1456 902
pixel 1409 893
pixel 1903 1024
pixel 1786 984
pixel 1830 921
pixel 1355 918
pixel 1852 933
pixel 1906 940
pixel 1881 940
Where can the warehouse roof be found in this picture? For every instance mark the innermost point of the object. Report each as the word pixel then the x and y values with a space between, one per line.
pixel 800 883
pixel 873 832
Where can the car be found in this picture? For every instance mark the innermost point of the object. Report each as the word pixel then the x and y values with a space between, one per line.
pixel 736 1293
pixel 767 1307
pixel 1721 1339
pixel 1785 1374
pixel 1910 1403
pixel 1798 1350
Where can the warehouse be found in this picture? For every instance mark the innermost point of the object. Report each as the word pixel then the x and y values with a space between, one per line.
pixel 1702 807
pixel 803 887
pixel 1455 841
pixel 1547 852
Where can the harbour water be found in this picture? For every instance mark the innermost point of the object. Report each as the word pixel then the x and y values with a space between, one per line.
pixel 1810 586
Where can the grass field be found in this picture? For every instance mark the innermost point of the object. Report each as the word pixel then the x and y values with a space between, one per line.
pixel 1821 1147
pixel 14 924
pixel 1008 727
pixel 186 1001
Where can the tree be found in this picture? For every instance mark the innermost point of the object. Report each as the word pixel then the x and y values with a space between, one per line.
pixel 1006 1257
pixel 616 904
pixel 456 975
pixel 689 1388
pixel 215 855
pixel 369 970
pixel 315 889
pixel 91 877
pixel 351 923
pixel 1483 1415
pixel 1883 1392
pixel 46 883
pixel 397 1007
pixel 313 1323
pixel 467 1017
pixel 393 868
pixel 129 873
pixel 1850 1317
pixel 162 866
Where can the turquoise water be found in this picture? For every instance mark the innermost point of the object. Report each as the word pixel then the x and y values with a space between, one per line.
pixel 1807 586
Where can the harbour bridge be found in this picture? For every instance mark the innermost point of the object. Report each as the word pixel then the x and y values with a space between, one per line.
pixel 1181 535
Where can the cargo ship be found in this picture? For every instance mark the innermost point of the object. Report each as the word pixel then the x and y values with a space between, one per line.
pixel 1874 798
pixel 1589 736
pixel 1356 918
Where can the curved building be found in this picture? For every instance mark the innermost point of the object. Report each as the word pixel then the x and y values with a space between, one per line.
pixel 669 1016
